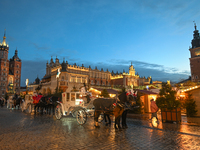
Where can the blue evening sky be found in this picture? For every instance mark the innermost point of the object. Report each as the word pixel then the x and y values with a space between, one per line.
pixel 154 35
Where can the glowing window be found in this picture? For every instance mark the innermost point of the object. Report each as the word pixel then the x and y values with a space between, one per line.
pixel 72 96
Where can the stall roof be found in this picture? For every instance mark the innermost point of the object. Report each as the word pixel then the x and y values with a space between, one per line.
pixel 191 88
pixel 147 92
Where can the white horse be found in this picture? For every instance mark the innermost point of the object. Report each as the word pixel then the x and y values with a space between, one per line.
pixel 10 102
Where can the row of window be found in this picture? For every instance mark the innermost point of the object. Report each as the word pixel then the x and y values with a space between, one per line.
pixel 4 74
pixel 78 72
pixel 3 79
pixel 195 77
pixel 99 75
pixel 78 79
pixel 92 74
pixel 2 84
pixel 12 65
pixel 99 83
pixel 4 69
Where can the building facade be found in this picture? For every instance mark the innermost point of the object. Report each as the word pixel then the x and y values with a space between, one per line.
pixel 195 56
pixel 68 78
pixel 195 92
pixel 129 80
pixel 10 70
pixel 72 77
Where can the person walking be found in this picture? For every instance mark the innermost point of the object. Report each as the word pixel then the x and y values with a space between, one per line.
pixel 154 109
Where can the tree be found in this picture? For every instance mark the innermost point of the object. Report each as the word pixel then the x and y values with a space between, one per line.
pixel 190 106
pixel 104 93
pixel 167 97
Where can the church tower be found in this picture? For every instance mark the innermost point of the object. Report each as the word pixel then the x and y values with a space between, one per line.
pixel 10 70
pixel 195 56
pixel 4 65
pixel 15 71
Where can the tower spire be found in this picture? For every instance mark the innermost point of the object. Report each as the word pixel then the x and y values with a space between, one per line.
pixel 5 32
pixel 195 26
pixel 196 39
pixel 4 38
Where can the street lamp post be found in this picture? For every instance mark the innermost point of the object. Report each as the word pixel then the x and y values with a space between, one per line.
pixel 57 77
pixel 27 81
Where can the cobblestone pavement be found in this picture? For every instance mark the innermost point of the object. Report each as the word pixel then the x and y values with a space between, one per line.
pixel 29 132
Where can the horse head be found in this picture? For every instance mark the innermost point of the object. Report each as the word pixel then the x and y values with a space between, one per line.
pixel 131 100
pixel 127 98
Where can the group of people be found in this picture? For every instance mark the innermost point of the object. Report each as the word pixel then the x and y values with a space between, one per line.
pixel 14 101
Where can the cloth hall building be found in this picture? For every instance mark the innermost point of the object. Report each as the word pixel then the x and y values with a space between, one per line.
pixel 72 77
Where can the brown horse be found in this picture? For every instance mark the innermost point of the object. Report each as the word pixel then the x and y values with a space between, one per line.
pixel 112 107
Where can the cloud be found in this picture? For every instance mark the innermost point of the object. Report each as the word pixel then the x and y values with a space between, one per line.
pixel 40 48
pixel 156 71
pixel 62 50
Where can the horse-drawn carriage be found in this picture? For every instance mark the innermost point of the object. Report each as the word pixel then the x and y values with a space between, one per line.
pixel 80 105
pixel 39 103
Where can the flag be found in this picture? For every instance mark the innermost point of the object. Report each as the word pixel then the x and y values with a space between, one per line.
pixel 58 73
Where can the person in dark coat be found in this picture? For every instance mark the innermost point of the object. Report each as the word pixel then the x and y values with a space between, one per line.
pixel 154 109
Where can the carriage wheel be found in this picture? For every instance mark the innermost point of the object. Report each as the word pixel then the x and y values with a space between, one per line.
pixel 101 117
pixel 29 108
pixel 58 112
pixel 74 114
pixel 81 116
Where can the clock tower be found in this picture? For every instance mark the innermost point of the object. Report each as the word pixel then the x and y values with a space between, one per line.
pixel 195 56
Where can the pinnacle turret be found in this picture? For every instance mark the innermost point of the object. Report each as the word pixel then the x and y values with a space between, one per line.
pixel 4 45
pixel 196 39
